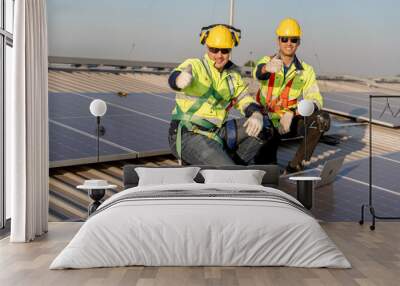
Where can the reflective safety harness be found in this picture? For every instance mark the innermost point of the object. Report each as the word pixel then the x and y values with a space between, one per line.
pixel 273 105
pixel 191 123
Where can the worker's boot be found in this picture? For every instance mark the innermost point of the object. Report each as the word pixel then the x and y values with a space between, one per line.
pixel 289 169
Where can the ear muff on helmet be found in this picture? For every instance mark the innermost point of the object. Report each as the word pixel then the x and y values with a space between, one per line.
pixel 236 37
pixel 203 36
pixel 236 33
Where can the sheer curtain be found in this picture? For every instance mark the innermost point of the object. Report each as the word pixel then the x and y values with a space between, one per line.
pixel 27 157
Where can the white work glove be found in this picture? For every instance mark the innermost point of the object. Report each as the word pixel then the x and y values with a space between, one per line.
pixel 254 124
pixel 285 122
pixel 274 65
pixel 184 78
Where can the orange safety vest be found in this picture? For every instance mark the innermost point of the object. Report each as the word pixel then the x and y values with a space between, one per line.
pixel 273 105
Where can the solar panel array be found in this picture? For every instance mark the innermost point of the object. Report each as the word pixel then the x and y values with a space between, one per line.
pixel 356 104
pixel 137 124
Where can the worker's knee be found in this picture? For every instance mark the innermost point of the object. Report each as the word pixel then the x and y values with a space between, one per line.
pixel 324 121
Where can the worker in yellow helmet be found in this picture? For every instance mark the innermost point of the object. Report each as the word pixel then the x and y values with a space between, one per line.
pixel 284 81
pixel 207 88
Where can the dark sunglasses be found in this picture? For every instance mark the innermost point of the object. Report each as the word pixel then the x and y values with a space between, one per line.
pixel 286 39
pixel 217 50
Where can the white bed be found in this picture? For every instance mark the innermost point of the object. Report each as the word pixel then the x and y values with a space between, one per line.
pixel 224 225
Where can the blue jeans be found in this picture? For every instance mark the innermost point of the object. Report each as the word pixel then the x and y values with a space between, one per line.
pixel 200 150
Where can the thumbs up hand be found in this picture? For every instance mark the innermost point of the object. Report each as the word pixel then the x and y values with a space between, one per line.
pixel 274 65
pixel 185 78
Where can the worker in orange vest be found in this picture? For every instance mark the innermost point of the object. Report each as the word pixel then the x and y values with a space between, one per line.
pixel 284 81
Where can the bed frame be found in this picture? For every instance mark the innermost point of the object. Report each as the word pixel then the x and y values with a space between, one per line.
pixel 270 179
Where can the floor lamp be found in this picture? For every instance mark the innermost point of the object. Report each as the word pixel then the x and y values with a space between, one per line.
pixel 305 183
pixel 305 108
pixel 98 108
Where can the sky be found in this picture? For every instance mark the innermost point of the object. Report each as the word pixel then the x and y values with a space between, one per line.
pixel 350 37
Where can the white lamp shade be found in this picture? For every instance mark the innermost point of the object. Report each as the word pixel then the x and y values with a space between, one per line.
pixel 98 107
pixel 305 107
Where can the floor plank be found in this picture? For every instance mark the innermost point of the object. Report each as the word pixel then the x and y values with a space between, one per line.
pixel 375 257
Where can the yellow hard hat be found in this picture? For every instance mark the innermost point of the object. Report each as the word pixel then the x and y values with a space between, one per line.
pixel 288 28
pixel 220 36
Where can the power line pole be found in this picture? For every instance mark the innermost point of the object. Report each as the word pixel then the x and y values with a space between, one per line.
pixel 231 12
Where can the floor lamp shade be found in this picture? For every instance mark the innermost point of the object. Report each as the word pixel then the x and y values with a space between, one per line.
pixel 98 107
pixel 305 107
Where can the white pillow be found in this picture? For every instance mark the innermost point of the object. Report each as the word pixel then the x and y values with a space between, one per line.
pixel 166 176
pixel 248 177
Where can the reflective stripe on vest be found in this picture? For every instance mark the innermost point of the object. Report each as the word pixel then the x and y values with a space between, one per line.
pixel 231 86
pixel 280 102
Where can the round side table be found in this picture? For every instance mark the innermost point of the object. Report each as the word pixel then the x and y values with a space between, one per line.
pixel 305 189
pixel 96 193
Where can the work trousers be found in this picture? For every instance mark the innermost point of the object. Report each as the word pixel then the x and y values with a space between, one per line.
pixel 316 125
pixel 198 149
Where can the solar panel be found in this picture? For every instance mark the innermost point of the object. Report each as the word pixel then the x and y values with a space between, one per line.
pixel 358 170
pixel 66 144
pixel 356 105
pixel 393 156
pixel 157 105
pixel 146 102
pixel 136 123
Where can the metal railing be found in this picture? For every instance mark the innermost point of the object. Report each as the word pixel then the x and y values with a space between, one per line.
pixel 370 185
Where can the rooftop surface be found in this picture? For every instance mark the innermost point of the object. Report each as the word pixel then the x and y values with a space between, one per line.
pixel 340 201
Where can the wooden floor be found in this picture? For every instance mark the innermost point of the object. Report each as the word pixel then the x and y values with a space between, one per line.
pixel 375 257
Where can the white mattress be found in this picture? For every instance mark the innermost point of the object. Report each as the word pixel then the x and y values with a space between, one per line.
pixel 183 231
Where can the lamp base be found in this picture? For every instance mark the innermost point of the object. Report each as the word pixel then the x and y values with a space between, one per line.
pixel 96 195
pixel 305 193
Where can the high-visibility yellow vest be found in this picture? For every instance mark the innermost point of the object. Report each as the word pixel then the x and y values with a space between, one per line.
pixel 226 89
pixel 281 92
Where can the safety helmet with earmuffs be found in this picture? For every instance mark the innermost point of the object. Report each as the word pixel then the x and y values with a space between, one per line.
pixel 220 36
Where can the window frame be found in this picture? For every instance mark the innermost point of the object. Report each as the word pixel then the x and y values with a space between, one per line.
pixel 6 39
